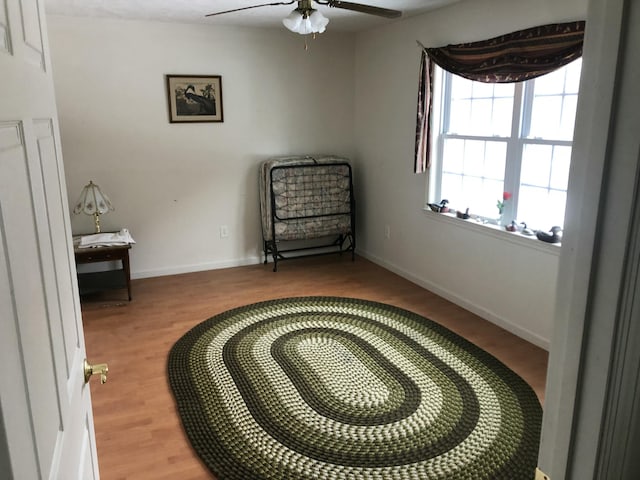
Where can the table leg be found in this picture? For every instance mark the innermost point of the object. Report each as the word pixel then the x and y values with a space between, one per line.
pixel 127 271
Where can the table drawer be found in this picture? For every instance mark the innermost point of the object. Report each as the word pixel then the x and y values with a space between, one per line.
pixel 99 256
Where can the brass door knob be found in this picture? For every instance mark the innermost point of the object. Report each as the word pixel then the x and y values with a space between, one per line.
pixel 101 369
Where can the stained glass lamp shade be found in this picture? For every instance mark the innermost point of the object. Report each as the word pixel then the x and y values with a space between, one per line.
pixel 93 202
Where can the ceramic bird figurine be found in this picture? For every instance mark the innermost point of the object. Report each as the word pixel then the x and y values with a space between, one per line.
pixel 553 236
pixel 440 207
pixel 512 227
pixel 527 231
pixel 464 215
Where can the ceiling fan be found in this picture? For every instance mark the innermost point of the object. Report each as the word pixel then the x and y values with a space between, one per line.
pixel 305 19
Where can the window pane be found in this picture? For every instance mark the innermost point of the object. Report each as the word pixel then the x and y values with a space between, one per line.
pixel 473 157
pixel 572 82
pixel 473 173
pixel 545 117
pixel 502 115
pixel 540 208
pixel 482 109
pixel 536 165
pixel 503 90
pixel 460 87
pixel 459 116
pixel 554 103
pixel 560 168
pixel 451 187
pixel 568 117
pixel 555 215
pixel 550 83
pixel 481 117
pixel 453 156
pixel 495 160
pixel 482 90
pixel 477 194
pixel 543 183
pixel 485 204
pixel 471 188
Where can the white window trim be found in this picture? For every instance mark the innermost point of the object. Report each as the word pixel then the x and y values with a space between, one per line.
pixel 514 143
pixel 498 233
pixel 435 174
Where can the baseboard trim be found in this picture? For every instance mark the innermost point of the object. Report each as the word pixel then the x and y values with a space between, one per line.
pixel 517 330
pixel 200 267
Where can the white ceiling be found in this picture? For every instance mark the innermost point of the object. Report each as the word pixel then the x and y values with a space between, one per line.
pixel 194 11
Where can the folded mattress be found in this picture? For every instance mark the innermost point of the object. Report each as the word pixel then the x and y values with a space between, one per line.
pixel 305 197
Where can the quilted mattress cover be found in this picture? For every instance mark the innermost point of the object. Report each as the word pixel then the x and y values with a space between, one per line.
pixel 311 195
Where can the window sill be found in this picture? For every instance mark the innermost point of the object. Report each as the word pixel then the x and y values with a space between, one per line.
pixel 494 231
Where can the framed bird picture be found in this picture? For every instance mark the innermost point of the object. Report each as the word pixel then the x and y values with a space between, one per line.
pixel 194 98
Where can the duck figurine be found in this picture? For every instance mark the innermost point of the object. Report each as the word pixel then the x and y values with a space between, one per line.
pixel 527 231
pixel 512 227
pixel 553 236
pixel 439 207
pixel 464 215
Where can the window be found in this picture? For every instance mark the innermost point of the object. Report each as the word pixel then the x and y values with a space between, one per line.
pixel 513 137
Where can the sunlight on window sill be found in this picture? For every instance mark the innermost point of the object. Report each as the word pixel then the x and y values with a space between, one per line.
pixel 500 233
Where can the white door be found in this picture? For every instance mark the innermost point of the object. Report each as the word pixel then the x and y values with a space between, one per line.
pixel 46 424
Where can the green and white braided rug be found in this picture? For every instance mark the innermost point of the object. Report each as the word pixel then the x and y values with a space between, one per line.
pixel 339 388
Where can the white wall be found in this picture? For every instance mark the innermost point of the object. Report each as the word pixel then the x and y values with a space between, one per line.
pixel 487 272
pixel 173 185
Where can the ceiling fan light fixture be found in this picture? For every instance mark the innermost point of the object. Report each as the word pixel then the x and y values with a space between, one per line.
pixel 318 21
pixel 293 20
pixel 305 26
pixel 306 21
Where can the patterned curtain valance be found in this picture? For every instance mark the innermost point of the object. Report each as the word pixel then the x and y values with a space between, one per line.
pixel 513 57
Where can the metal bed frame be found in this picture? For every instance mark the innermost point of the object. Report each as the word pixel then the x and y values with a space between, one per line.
pixel 316 203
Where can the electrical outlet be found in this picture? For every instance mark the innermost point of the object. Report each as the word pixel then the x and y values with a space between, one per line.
pixel 540 475
pixel 224 231
pixel 387 232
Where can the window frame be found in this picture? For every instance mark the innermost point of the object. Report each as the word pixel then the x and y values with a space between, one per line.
pixel 515 142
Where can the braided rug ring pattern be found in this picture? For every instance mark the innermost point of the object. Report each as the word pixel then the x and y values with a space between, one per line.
pixel 340 388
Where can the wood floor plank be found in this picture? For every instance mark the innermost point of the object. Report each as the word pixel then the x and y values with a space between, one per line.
pixel 138 431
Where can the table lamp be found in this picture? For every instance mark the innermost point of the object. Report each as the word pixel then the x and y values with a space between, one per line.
pixel 93 202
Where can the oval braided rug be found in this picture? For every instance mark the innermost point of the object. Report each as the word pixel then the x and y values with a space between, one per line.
pixel 339 388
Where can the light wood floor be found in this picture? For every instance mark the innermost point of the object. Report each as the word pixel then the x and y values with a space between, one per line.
pixel 139 434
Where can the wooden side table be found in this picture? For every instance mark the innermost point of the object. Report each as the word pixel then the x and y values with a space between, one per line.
pixel 92 282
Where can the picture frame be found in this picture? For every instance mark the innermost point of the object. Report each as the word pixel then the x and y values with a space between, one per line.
pixel 195 98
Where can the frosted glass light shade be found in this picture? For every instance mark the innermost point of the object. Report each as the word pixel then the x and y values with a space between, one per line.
pixel 92 201
pixel 311 22
pixel 318 21
pixel 305 27
pixel 292 22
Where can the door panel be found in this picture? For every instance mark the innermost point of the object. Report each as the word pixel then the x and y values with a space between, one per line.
pixel 4 27
pixel 31 47
pixel 14 393
pixel 44 403
pixel 64 279
pixel 18 224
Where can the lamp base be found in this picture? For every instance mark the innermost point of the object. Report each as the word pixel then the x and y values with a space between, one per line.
pixel 96 217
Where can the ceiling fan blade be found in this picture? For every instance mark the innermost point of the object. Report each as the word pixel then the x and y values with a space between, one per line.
pixel 253 6
pixel 358 7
